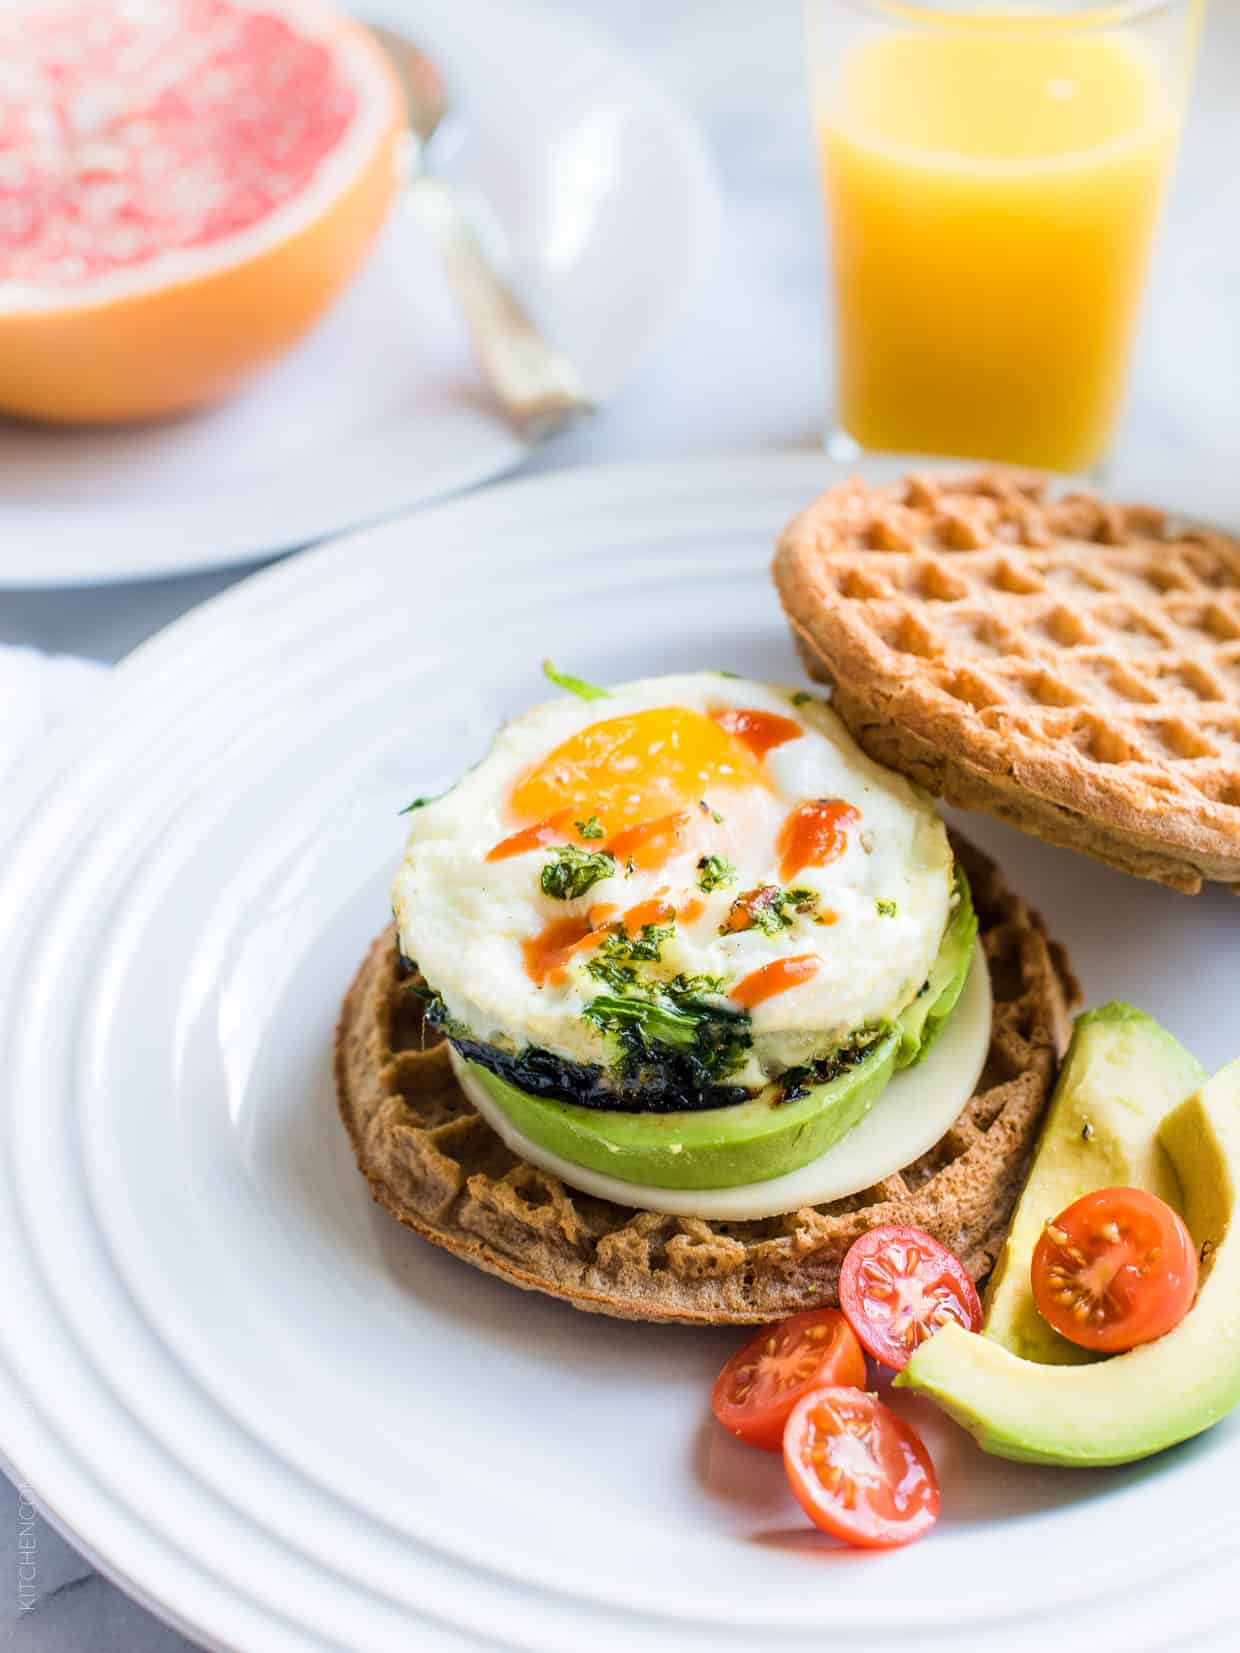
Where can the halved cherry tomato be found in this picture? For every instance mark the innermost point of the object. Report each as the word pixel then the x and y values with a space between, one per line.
pixel 859 1471
pixel 762 1382
pixel 1117 1268
pixel 899 1286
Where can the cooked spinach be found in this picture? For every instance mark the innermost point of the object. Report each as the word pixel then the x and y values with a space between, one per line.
pixel 645 947
pixel 618 951
pixel 435 1011
pixel 684 1045
pixel 798 1082
pixel 572 871
pixel 656 1023
pixel 713 871
pixel 769 909
pixel 662 1084
pixel 612 973
pixel 692 987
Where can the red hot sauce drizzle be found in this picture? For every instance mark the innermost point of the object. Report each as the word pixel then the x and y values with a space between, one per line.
pixel 776 977
pixel 814 835
pixel 650 844
pixel 761 732
pixel 542 833
pixel 547 953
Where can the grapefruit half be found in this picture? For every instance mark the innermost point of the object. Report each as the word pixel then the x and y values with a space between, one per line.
pixel 185 186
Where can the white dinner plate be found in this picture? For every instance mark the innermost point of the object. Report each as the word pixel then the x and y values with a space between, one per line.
pixel 249 1395
pixel 606 200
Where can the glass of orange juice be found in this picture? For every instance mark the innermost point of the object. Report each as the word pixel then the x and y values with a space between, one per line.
pixel 992 178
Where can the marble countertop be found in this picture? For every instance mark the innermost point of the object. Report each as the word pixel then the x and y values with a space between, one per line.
pixel 743 369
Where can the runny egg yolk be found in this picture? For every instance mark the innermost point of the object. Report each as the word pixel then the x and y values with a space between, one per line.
pixel 633 786
pixel 628 770
pixel 650 844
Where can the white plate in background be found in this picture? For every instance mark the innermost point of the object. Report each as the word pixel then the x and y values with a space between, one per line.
pixel 608 202
pixel 264 1408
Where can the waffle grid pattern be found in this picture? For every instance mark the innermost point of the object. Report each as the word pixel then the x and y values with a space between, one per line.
pixel 439 1168
pixel 1083 653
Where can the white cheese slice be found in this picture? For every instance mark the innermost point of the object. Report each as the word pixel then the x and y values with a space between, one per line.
pixel 908 1119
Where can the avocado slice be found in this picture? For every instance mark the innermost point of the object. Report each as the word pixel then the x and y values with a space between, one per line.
pixel 1123 1073
pixel 1133 1404
pixel 712 1147
pixel 921 1022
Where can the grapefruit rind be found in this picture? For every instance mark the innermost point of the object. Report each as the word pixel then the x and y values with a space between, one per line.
pixel 188 326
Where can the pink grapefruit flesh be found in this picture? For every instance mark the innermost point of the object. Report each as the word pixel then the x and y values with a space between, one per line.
pixel 185 186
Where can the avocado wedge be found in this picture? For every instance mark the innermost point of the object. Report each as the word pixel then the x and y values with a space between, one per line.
pixel 1133 1404
pixel 1122 1075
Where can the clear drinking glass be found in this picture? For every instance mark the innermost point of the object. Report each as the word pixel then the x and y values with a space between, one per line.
pixel 992 179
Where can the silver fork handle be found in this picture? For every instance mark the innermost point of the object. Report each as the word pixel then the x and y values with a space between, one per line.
pixel 536 384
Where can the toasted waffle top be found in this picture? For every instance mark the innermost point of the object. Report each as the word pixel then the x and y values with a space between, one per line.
pixel 1069 664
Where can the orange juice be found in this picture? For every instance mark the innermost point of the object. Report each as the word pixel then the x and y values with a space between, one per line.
pixel 992 199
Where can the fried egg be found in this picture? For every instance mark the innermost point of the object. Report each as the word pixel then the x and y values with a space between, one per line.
pixel 699 835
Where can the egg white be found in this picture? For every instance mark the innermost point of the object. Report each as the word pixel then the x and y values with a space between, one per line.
pixel 463 918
